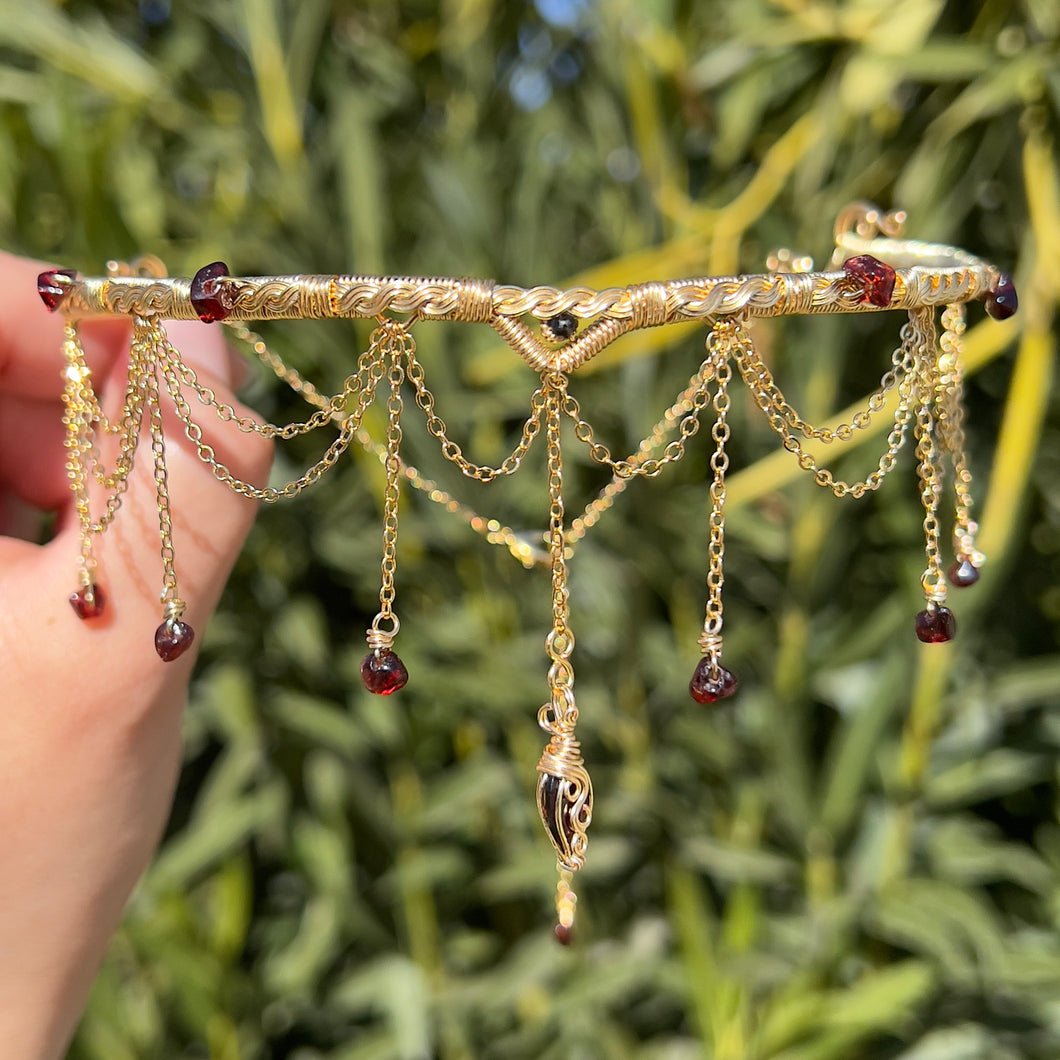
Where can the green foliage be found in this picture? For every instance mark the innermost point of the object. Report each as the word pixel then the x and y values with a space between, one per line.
pixel 860 857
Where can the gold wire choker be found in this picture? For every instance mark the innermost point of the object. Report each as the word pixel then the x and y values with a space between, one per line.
pixel 555 332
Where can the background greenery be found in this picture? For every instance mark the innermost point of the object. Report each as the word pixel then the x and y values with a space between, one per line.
pixel 859 858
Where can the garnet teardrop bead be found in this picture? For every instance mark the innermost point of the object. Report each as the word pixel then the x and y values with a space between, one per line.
pixel 210 296
pixel 53 286
pixel 712 682
pixel 876 278
pixel 88 601
pixel 383 672
pixel 936 624
pixel 564 934
pixel 963 573
pixel 172 639
pixel 1001 301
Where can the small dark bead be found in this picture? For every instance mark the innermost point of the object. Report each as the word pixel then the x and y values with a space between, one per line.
pixel 53 286
pixel 877 278
pixel 1002 302
pixel 172 639
pixel 210 296
pixel 712 682
pixel 564 934
pixel 936 624
pixel 88 601
pixel 963 573
pixel 383 672
pixel 563 325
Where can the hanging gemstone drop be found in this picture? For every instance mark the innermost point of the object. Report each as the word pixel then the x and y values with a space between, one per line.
pixel 963 573
pixel 936 624
pixel 876 277
pixel 172 639
pixel 712 682
pixel 383 672
pixel 88 601
pixel 1001 301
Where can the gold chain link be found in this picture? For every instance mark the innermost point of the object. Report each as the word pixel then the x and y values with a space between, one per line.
pixel 951 432
pixel 395 342
pixel 929 471
pixel 786 422
pixel 720 343
pixel 643 464
pixel 452 451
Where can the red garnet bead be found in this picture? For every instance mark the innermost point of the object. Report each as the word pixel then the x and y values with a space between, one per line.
pixel 876 277
pixel 210 295
pixel 172 639
pixel 564 934
pixel 963 573
pixel 712 682
pixel 88 601
pixel 383 672
pixel 936 624
pixel 52 286
pixel 1001 301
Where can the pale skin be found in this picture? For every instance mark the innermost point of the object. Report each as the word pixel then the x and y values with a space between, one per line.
pixel 90 717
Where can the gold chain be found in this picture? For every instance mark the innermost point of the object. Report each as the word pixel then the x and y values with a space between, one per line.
pixel 786 422
pixel 451 451
pixel 951 433
pixel 370 373
pixel 929 472
pixel 395 342
pixel 169 594
pixel 720 342
pixel 643 464
pixel 524 546
pixel 78 424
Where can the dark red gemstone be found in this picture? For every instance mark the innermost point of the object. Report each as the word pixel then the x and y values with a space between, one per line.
pixel 963 573
pixel 936 624
pixel 172 639
pixel 52 286
pixel 563 326
pixel 877 278
pixel 88 601
pixel 564 934
pixel 712 682
pixel 210 294
pixel 1001 301
pixel 383 672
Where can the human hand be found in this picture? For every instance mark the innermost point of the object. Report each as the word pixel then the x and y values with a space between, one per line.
pixel 90 717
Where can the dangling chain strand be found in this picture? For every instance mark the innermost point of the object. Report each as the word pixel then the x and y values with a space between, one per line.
pixel 711 681
pixel 564 790
pixel 382 670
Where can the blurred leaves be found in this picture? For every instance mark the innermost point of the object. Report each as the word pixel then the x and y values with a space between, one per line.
pixel 860 856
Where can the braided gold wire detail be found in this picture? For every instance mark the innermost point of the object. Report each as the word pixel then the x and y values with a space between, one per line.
pixel 928 274
pixel 958 278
